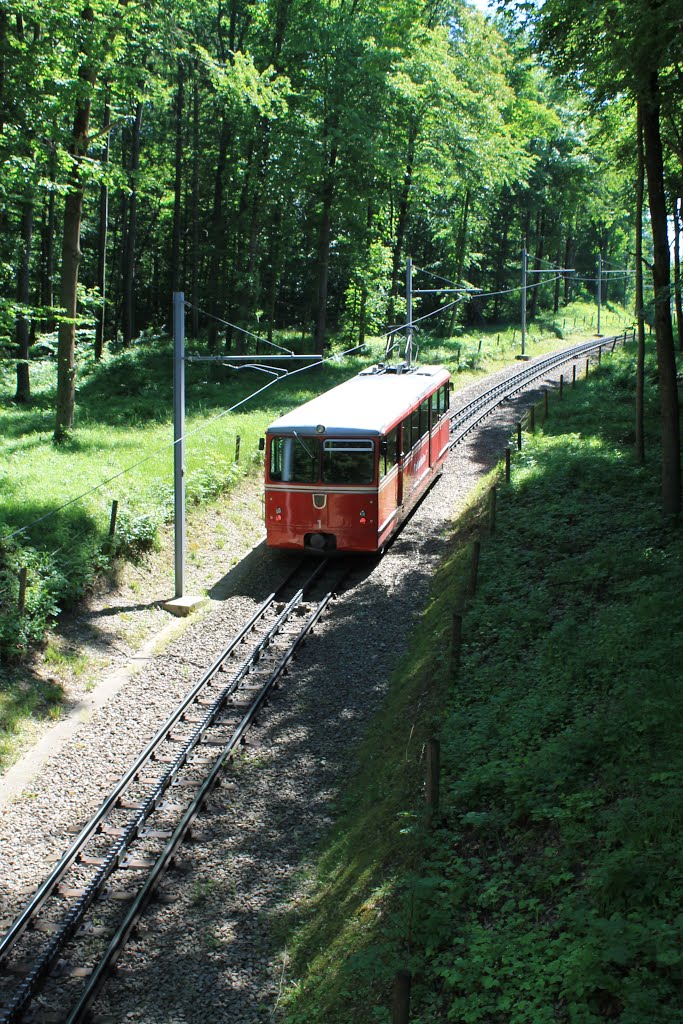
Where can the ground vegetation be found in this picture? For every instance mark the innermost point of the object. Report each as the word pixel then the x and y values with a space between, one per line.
pixel 546 886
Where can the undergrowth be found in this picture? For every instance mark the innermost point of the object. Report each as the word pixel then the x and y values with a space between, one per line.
pixel 123 435
pixel 549 888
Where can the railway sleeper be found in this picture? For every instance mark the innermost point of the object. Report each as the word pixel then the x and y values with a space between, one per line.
pixel 118 894
pixel 137 864
pixel 63 969
pixel 20 968
pixel 97 931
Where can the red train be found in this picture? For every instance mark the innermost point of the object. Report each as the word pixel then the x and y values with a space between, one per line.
pixel 344 470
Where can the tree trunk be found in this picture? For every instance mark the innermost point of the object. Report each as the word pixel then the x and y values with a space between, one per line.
pixel 275 267
pixel 678 299
pixel 461 244
pixel 568 257
pixel 402 221
pixel 666 358
pixel 324 237
pixel 102 243
pixel 71 256
pixel 537 282
pixel 47 257
pixel 460 251
pixel 217 233
pixel 640 312
pixel 129 253
pixel 194 259
pixel 556 297
pixel 23 393
pixel 501 260
pixel 363 315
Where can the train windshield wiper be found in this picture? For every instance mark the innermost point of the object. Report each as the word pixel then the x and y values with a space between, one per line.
pixel 311 455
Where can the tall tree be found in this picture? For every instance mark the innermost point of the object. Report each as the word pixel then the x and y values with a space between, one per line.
pixel 71 239
pixel 581 41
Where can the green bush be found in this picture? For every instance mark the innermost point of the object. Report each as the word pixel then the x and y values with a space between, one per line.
pixel 45 583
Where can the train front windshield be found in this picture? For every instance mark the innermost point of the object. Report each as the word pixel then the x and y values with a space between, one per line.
pixel 312 460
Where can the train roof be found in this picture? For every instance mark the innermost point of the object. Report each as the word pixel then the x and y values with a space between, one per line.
pixel 368 404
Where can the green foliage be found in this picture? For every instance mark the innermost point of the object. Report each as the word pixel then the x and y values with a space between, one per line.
pixel 122 450
pixel 550 888
pixel 45 581
pixel 417 129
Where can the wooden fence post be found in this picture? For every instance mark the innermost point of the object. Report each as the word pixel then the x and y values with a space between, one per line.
pixel 456 638
pixel 112 518
pixel 237 448
pixel 507 465
pixel 474 568
pixel 493 494
pixel 574 375
pixel 519 435
pixel 23 575
pixel 433 772
pixel 400 1011
pixel 587 365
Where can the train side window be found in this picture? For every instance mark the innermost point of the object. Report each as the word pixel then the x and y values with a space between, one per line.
pixel 388 452
pixel 407 438
pixel 424 417
pixel 436 411
pixel 348 462
pixel 415 426
pixel 445 398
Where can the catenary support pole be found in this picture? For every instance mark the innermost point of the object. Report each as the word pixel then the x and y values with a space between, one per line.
pixel 179 439
pixel 409 311
pixel 524 275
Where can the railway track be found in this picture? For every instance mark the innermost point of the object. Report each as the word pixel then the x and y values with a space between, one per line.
pixel 465 420
pixel 57 954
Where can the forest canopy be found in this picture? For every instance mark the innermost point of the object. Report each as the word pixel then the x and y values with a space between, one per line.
pixel 278 161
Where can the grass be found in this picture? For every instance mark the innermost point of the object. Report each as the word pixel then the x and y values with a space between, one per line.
pixel 549 888
pixel 121 450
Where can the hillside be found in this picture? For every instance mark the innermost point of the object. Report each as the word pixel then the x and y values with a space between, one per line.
pixel 547 887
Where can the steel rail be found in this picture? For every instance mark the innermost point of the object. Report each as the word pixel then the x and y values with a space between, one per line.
pixel 72 920
pixel 99 975
pixel 60 869
pixel 466 419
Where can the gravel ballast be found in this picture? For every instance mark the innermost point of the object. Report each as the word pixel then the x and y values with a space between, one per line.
pixel 209 952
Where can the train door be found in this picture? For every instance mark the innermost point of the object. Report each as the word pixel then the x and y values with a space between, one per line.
pixel 405 460
pixel 390 482
pixel 419 457
pixel 434 413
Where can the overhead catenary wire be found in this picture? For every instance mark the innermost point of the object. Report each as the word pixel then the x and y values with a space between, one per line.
pixel 437 277
pixel 169 445
pixel 236 327
pixel 463 293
